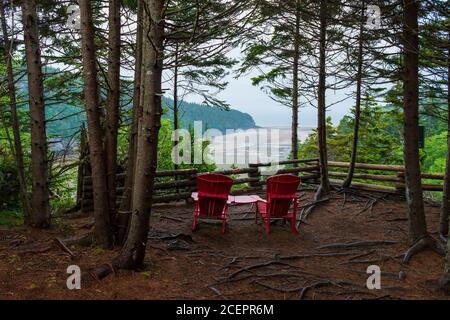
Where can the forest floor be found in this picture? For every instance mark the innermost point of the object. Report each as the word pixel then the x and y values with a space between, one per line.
pixel 243 264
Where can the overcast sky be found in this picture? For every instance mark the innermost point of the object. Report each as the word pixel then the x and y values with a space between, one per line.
pixel 243 96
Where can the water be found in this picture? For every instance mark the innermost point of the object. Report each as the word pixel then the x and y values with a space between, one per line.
pixel 259 145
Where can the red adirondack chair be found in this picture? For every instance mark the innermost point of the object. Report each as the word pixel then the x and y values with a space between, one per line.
pixel 212 201
pixel 281 196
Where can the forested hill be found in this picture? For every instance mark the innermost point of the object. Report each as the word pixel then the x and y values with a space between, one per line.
pixel 211 117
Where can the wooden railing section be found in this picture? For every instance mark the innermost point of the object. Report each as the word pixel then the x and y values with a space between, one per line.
pixel 391 183
pixel 175 185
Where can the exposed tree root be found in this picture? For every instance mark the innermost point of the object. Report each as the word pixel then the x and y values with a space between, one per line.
pixel 217 291
pixel 303 290
pixel 257 265
pixel 86 240
pixel 353 244
pixel 311 255
pixel 308 208
pixel 444 282
pixel 102 272
pixel 422 244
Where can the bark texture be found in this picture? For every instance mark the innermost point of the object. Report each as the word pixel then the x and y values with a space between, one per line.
pixel 356 124
pixel 113 102
pixel 445 209
pixel 321 117
pixel 124 213
pixel 40 214
pixel 414 195
pixel 133 251
pixel 15 124
pixel 102 228
pixel 295 86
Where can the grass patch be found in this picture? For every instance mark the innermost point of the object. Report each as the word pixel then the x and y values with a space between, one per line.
pixel 11 217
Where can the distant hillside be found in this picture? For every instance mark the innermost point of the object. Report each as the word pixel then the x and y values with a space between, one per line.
pixel 71 116
pixel 211 117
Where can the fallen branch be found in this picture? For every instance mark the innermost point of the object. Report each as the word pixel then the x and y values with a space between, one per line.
pixel 36 249
pixel 171 218
pixel 64 247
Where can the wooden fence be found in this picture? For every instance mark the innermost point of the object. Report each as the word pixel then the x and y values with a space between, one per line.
pixel 175 185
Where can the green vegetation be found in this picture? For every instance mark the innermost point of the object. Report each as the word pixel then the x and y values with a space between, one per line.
pixel 381 138
pixel 212 117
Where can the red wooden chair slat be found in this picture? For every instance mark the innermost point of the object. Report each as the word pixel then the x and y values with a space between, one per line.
pixel 281 195
pixel 212 202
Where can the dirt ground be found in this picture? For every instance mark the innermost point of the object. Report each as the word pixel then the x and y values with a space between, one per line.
pixel 243 264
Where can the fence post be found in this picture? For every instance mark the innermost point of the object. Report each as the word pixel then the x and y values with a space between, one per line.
pixel 401 186
pixel 255 174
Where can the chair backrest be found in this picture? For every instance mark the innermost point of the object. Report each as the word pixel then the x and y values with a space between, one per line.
pixel 281 191
pixel 213 190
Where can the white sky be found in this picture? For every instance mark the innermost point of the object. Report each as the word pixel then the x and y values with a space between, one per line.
pixel 241 95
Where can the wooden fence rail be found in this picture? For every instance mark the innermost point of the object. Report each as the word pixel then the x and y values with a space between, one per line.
pixel 172 185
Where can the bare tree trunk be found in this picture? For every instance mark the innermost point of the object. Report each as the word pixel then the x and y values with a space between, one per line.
pixel 445 210
pixel 351 169
pixel 175 108
pixel 418 233
pixel 321 118
pixel 133 251
pixel 102 227
pixel 84 156
pixel 444 282
pixel 40 214
pixel 414 195
pixel 295 87
pixel 15 124
pixel 175 101
pixel 125 205
pixel 113 102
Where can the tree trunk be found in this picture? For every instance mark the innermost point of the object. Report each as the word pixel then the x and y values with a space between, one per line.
pixel 414 196
pixel 102 228
pixel 446 200
pixel 113 102
pixel 175 90
pixel 295 87
pixel 133 251
pixel 40 214
pixel 321 118
pixel 175 103
pixel 175 108
pixel 445 209
pixel 351 169
pixel 84 158
pixel 15 124
pixel 123 217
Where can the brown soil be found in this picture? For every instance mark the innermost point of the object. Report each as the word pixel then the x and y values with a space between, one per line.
pixel 205 265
